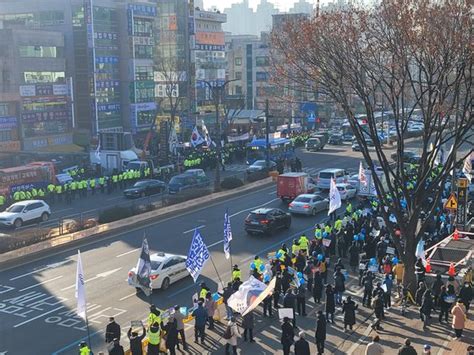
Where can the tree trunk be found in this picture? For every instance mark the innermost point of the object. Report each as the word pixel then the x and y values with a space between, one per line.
pixel 409 259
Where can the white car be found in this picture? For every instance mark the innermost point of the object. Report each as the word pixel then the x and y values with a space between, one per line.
pixel 25 211
pixel 165 270
pixel 347 191
pixel 308 204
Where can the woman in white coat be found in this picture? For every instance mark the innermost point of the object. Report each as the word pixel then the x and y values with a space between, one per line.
pixel 231 337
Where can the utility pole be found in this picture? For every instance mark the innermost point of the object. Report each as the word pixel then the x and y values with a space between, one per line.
pixel 267 134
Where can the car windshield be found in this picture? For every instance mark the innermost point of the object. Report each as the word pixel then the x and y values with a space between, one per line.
pixel 15 209
pixel 140 184
pixel 177 180
pixel 259 163
pixel 325 175
pixel 341 188
pixel 302 199
pixel 257 216
pixel 155 265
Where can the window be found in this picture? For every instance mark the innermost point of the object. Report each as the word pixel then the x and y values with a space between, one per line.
pixel 238 75
pixel 78 16
pixel 3 109
pixel 238 62
pixel 143 73
pixel 33 77
pixel 238 90
pixel 5 136
pixel 143 51
pixel 262 61
pixel 261 76
pixel 40 52
pixel 142 27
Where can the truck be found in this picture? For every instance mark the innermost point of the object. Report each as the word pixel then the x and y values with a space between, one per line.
pixel 290 185
pixel 113 160
pixel 317 141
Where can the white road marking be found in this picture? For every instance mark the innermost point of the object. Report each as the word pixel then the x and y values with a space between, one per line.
pixel 216 243
pixel 360 341
pixel 40 283
pixel 98 276
pixel 252 208
pixel 192 230
pixel 39 316
pixel 128 252
pixel 272 193
pixel 130 295
pixel 49 266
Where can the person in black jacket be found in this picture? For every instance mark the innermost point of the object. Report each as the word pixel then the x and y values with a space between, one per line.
pixel 226 293
pixel 301 345
pixel 465 294
pixel 348 308
pixel 426 307
pixel 112 331
pixel 330 303
pixel 289 301
pixel 354 256
pixel 136 341
pixel 320 332
pixel 444 306
pixel 436 289
pixel 317 287
pixel 287 335
pixel 171 329
pixel 117 349
pixel 301 300
pixel 277 291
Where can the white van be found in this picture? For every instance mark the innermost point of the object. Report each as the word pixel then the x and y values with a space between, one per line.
pixel 323 180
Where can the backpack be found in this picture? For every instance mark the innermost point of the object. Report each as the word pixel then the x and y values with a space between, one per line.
pixel 227 333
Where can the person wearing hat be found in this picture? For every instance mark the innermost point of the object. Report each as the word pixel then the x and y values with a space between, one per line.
pixel 287 335
pixel 136 341
pixel 84 349
pixel 112 331
pixel 302 345
pixel 203 291
pixel 320 332
pixel 154 316
pixel 154 338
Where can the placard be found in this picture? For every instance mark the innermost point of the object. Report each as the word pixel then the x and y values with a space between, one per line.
pixel 391 250
pixel 285 312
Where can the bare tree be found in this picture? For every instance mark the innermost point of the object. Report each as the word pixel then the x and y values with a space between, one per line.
pixel 416 55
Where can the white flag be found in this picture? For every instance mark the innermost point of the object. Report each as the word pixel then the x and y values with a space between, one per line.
pixel 173 140
pixel 467 167
pixel 334 197
pixel 207 137
pixel 97 151
pixel 227 234
pixel 362 177
pixel 196 138
pixel 80 289
pixel 246 294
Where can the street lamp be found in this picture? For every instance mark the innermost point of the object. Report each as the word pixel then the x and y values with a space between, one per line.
pixel 217 93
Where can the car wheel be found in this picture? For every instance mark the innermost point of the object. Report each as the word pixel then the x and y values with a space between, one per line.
pixel 44 216
pixel 18 223
pixel 165 284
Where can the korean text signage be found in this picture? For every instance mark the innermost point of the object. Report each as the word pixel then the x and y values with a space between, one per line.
pixel 44 90
pixel 461 212
pixel 10 146
pixel 8 122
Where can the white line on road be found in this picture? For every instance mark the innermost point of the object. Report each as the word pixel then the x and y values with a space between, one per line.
pixel 128 252
pixel 192 230
pixel 40 283
pixel 216 243
pixel 130 295
pixel 272 193
pixel 35 318
pixel 49 266
pixel 360 341
pixel 251 208
pixel 98 276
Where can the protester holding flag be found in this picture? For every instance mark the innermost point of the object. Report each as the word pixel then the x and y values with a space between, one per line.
pixel 334 198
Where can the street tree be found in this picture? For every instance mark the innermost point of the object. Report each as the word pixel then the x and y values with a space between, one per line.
pixel 414 56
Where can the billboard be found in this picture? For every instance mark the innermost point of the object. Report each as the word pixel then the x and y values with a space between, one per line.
pixel 211 38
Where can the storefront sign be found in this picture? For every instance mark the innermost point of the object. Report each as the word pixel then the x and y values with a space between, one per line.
pixel 108 107
pixel 145 41
pixel 8 123
pixel 60 90
pixel 46 116
pixel 44 90
pixel 209 47
pixel 107 60
pixel 142 10
pixel 145 106
pixel 10 146
pixel 106 36
pixel 27 90
pixel 35 143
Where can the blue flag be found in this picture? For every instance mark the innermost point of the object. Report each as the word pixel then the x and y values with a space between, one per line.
pixel 197 255
pixel 144 268
pixel 227 234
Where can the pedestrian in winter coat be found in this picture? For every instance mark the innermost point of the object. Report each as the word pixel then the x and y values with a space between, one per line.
pixel 330 303
pixel 378 310
pixel 226 293
pixel 289 301
pixel 407 349
pixel 287 335
pixel 117 348
pixel 444 306
pixel 426 307
pixel 171 329
pixel 136 341
pixel 179 326
pixel 459 318
pixel 419 293
pixel 234 334
pixel 320 332
pixel 436 289
pixel 348 308
pixel 354 256
pixel 210 306
pixel 339 285
pixel 301 345
pixel 465 294
pixel 112 331
pixel 317 287
pixel 200 319
pixel 374 348
pixel 248 324
pixel 301 300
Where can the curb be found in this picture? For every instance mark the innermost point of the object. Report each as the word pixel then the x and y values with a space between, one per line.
pixel 122 224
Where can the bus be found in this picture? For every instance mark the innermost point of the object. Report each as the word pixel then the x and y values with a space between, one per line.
pixel 280 148
pixel 26 177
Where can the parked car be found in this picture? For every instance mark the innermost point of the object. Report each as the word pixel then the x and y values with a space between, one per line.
pixel 309 204
pixel 324 177
pixel 347 191
pixel 198 173
pixel 261 166
pixel 165 270
pixel 347 137
pixel 355 147
pixel 185 182
pixel 407 157
pixel 25 211
pixel 267 221
pixel 145 188
pixel 336 139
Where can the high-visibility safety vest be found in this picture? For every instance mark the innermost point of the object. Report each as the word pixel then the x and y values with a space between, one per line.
pixel 40 193
pixel 114 178
pixel 2 200
pixel 328 229
pixel 203 293
pixel 355 216
pixel 349 208
pixel 101 181
pixel 73 186
pixel 338 224
pixel 84 350
pixel 258 263
pixel 50 187
pixel 236 274
pixel 295 248
pixel 59 189
pixel 318 233
pixel 304 242
pixel 153 318
pixel 154 337
pixel 16 196
pixel 92 183
pixel 282 253
pixel 28 195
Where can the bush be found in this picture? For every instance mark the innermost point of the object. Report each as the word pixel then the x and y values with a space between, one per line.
pixel 231 183
pixel 114 214
pixel 258 175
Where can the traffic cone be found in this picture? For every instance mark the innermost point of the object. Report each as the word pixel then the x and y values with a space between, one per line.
pixel 456 234
pixel 428 266
pixel 451 271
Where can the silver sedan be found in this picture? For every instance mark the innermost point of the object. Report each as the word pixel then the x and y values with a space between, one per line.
pixel 308 204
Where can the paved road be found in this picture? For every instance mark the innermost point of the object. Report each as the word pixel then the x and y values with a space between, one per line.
pixel 37 298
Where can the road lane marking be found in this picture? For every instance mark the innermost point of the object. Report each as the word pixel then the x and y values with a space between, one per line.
pixel 77 342
pixel 272 193
pixel 98 276
pixel 216 243
pixel 252 208
pixel 39 316
pixel 41 283
pixel 130 295
pixel 192 230
pixel 49 266
pixel 128 252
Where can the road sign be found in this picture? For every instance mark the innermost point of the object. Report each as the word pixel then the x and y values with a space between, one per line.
pixel 452 203
pixel 461 212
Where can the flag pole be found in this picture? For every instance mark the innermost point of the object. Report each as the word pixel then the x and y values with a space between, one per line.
pixel 88 333
pixel 215 268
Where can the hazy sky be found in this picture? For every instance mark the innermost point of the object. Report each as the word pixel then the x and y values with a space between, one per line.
pixel 283 5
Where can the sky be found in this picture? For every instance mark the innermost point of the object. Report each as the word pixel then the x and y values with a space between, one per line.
pixel 283 5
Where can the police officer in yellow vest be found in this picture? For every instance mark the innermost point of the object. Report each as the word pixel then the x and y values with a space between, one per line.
pixel 34 192
pixel 58 191
pixel 304 243
pixel 92 185
pixel 28 195
pixel 3 201
pixel 41 194
pixel 236 274
pixel 318 232
pixel 258 264
pixel 204 290
pixel 349 208
pixel 102 184
pixel 154 316
pixel 295 248
pixel 281 254
pixel 154 338
pixel 22 195
pixel 51 192
pixel 84 349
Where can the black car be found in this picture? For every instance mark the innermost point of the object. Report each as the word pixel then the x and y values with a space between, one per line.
pixel 267 221
pixel 336 139
pixel 144 188
pixel 407 157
